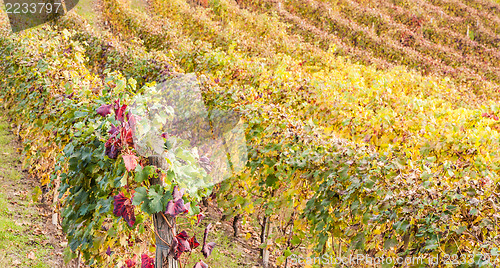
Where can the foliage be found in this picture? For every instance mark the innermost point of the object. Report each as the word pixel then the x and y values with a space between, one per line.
pixel 379 162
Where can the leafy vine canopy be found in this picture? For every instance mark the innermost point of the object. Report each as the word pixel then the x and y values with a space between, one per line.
pixel 203 145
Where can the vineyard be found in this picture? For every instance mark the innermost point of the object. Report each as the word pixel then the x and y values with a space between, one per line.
pixel 370 128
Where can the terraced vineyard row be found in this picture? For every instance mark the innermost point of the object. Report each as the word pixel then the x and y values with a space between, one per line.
pixel 377 129
pixel 421 42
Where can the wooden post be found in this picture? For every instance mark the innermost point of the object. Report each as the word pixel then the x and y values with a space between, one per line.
pixel 162 228
pixel 236 227
pixel 264 252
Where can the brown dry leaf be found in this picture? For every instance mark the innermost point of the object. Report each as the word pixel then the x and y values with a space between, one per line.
pixel 31 255
pixel 10 230
pixel 16 262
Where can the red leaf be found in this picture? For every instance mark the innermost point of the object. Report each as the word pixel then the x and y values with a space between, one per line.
pixel 104 110
pixel 170 208
pixel 113 131
pixel 173 248
pixel 207 249
pixel 132 121
pixel 176 208
pixel 126 135
pixel 111 149
pixel 147 262
pixel 179 245
pixel 130 161
pixel 176 193
pixel 205 234
pixel 182 235
pixel 200 264
pixel 120 112
pixel 130 263
pixel 193 243
pixel 183 243
pixel 123 208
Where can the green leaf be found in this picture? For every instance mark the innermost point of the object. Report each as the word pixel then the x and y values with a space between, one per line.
pixel 295 240
pixel 390 243
pixel 68 255
pixel 156 200
pixel 359 241
pixel 194 210
pixel 141 195
pixel 105 205
pixel 271 180
pixel 460 230
pixel 142 174
pixel 473 211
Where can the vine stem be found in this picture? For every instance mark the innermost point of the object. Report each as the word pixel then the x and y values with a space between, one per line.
pixel 156 233
pixel 168 223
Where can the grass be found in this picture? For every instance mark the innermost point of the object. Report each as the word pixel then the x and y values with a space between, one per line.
pixel 139 5
pixel 20 245
pixel 85 8
pixel 226 254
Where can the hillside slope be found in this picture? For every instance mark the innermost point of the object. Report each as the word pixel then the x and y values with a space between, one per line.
pixel 373 126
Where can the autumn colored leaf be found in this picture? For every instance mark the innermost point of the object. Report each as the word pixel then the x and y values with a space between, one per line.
pixel 112 151
pixel 207 248
pixel 200 264
pixel 113 130
pixel 104 110
pixel 130 161
pixel 123 208
pixel 180 244
pixel 130 263
pixel 147 262
pixel 176 193
pixel 120 111
pixel 193 243
pixel 126 135
pixel 182 238
pixel 205 233
pixel 176 208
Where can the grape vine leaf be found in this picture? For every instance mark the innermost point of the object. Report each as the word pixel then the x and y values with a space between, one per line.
pixel 140 195
pixel 156 203
pixel 200 264
pixel 193 243
pixel 130 161
pixel 104 110
pixel 143 173
pixel 147 262
pixel 123 208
